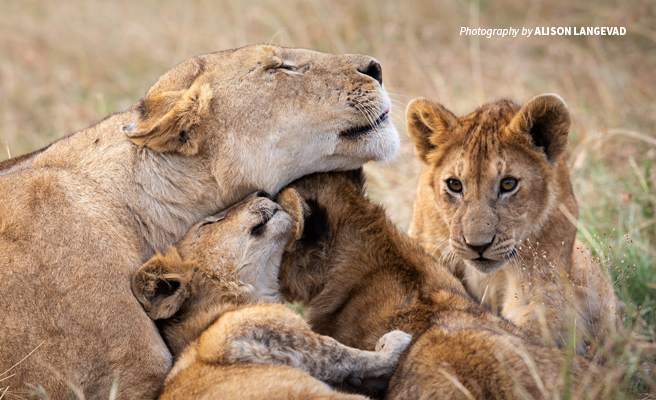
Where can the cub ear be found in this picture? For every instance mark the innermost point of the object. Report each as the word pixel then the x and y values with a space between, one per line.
pixel 168 119
pixel 294 205
pixel 428 125
pixel 311 218
pixel 545 118
pixel 161 285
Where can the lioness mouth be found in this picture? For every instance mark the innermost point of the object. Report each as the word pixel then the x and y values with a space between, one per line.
pixel 360 130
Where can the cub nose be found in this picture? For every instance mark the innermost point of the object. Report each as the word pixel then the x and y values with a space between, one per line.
pixel 372 69
pixel 264 194
pixel 478 248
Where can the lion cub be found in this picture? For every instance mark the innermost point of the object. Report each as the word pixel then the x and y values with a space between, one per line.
pixel 361 276
pixel 210 299
pixel 495 203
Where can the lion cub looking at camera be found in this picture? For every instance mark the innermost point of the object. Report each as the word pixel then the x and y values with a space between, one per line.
pixel 210 298
pixel 495 203
pixel 361 276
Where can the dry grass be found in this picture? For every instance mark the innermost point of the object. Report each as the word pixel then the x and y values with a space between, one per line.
pixel 66 64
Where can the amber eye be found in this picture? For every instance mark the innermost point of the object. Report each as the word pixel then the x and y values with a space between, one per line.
pixel 454 185
pixel 508 185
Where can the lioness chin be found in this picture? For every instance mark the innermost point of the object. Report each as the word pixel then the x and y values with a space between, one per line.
pixel 360 276
pixel 495 203
pixel 78 217
pixel 209 296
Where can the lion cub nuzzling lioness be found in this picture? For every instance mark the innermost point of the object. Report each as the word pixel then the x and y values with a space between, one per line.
pixel 495 203
pixel 208 296
pixel 78 217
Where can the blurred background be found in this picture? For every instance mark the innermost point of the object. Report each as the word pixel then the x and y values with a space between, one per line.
pixel 66 64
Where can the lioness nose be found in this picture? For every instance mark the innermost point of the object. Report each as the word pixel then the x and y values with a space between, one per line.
pixel 478 248
pixel 374 70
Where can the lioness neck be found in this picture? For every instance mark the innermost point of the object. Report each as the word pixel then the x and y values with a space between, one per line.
pixel 162 195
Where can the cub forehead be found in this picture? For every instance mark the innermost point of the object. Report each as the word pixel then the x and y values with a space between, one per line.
pixel 492 166
pixel 488 121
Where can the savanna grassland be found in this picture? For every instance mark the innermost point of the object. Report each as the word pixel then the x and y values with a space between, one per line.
pixel 66 64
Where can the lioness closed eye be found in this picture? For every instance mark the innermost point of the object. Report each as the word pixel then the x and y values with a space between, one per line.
pixel 208 296
pixel 495 203
pixel 78 217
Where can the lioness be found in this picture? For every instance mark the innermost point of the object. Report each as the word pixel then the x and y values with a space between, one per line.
pixel 362 277
pixel 495 203
pixel 208 297
pixel 78 217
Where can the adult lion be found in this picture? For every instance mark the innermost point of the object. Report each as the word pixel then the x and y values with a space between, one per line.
pixel 78 217
pixel 495 203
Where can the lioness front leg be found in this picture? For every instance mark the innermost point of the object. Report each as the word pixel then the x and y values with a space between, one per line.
pixel 273 334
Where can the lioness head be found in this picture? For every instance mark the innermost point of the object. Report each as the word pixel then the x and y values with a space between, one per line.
pixel 489 179
pixel 294 111
pixel 225 261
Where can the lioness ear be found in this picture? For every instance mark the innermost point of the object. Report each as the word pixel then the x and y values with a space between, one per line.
pixel 161 285
pixel 545 118
pixel 428 124
pixel 294 205
pixel 168 119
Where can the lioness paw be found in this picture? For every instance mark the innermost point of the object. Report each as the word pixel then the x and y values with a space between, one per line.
pixel 394 342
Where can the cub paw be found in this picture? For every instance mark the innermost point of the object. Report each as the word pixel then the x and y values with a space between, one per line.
pixel 394 342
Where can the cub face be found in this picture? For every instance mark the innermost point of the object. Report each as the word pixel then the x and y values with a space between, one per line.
pixel 488 179
pixel 224 262
pixel 246 239
pixel 298 111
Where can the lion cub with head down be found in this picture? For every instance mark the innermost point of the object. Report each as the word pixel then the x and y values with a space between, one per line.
pixel 495 203
pixel 361 276
pixel 210 297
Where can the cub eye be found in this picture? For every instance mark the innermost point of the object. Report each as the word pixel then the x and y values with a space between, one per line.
pixel 213 221
pixel 454 185
pixel 508 184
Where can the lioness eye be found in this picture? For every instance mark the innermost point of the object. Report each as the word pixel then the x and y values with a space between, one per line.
pixel 288 67
pixel 454 185
pixel 508 184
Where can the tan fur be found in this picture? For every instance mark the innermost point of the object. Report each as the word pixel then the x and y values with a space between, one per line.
pixel 80 216
pixel 360 277
pixel 527 235
pixel 207 295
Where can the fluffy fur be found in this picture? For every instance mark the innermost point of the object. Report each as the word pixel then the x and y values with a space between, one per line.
pixel 80 216
pixel 208 297
pixel 361 277
pixel 508 230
